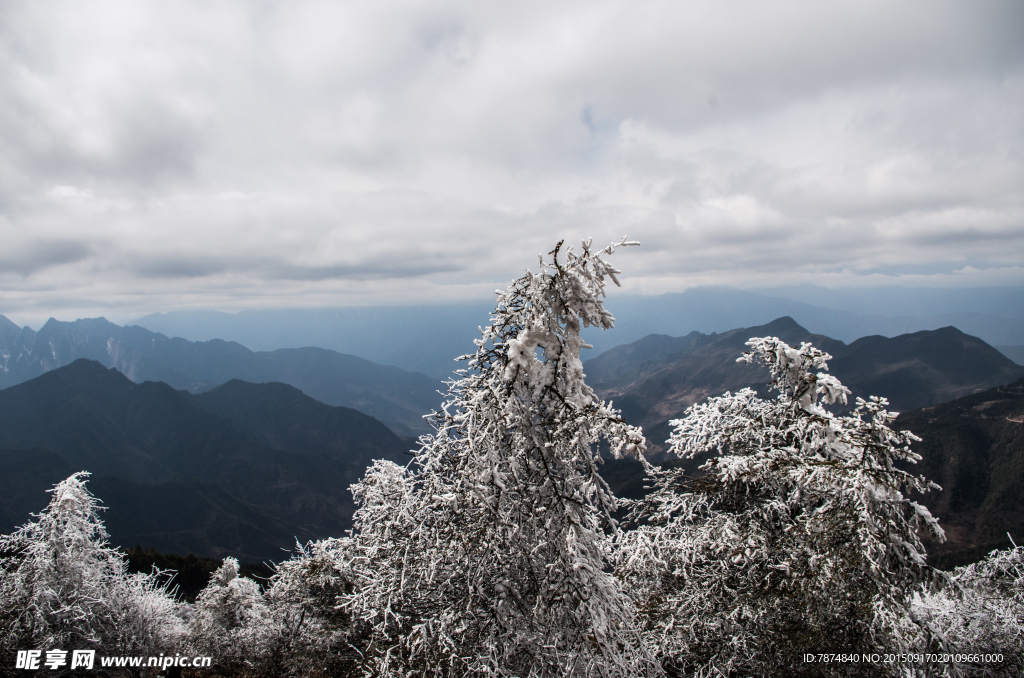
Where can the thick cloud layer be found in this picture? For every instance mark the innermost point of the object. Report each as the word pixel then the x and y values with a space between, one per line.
pixel 235 154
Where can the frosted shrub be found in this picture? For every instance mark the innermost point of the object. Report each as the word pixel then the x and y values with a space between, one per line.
pixel 62 586
pixel 294 629
pixel 231 621
pixel 797 539
pixel 487 556
pixel 312 635
pixel 981 611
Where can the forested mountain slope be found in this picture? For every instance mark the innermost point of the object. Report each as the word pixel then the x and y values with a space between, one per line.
pixel 242 470
pixel 974 448
pixel 392 395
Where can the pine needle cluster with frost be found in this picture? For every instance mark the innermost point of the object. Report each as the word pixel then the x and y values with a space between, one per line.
pixel 488 555
pixel 797 538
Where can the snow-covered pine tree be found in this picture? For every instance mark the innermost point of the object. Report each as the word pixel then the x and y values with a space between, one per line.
pixel 488 556
pixel 63 587
pixel 797 539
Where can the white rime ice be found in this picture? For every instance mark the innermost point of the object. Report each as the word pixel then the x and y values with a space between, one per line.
pixel 294 629
pixel 62 587
pixel 797 538
pixel 231 621
pixel 980 612
pixel 488 555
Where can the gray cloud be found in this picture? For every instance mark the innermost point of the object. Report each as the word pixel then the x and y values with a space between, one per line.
pixel 190 265
pixel 363 271
pixel 236 155
pixel 194 265
pixel 35 256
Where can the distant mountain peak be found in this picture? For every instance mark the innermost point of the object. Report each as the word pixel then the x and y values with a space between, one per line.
pixel 88 369
pixel 390 394
pixel 656 378
pixel 7 326
pixel 783 324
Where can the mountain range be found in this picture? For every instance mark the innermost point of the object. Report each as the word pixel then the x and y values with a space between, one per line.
pixel 655 379
pixel 394 396
pixel 964 399
pixel 244 469
pixel 426 338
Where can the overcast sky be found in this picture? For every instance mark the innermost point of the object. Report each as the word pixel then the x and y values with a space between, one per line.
pixel 230 155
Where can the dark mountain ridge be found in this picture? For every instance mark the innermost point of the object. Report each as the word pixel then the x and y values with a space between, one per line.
pixel 656 378
pixel 961 397
pixel 244 469
pixel 282 417
pixel 392 395
pixel 215 474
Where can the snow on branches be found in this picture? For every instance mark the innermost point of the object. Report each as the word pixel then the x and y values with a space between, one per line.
pixel 488 555
pixel 495 552
pixel 797 538
pixel 232 620
pixel 980 613
pixel 294 628
pixel 62 586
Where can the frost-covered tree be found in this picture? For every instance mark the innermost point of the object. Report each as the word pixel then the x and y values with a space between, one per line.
pixel 313 635
pixel 62 586
pixel 294 628
pixel 980 612
pixel 231 621
pixel 488 555
pixel 797 538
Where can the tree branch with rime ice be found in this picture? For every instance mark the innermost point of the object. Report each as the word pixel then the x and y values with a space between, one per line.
pixel 488 554
pixel 797 538
pixel 63 586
